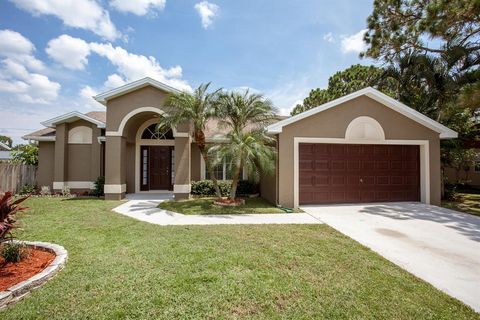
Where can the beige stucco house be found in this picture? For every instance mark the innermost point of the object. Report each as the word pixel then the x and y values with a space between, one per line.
pixel 363 147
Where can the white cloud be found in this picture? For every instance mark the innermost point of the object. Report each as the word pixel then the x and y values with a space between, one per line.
pixel 84 14
pixel 207 12
pixel 68 51
pixel 328 37
pixel 138 7
pixel 354 43
pixel 86 95
pixel 29 87
pixel 114 81
pixel 132 66
pixel 18 48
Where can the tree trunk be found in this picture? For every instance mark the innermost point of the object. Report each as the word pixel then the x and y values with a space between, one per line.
pixel 209 170
pixel 233 190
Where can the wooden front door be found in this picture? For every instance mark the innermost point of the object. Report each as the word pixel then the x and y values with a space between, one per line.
pixel 156 168
pixel 350 173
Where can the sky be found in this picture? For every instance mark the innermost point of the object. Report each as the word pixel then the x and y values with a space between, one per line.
pixel 56 54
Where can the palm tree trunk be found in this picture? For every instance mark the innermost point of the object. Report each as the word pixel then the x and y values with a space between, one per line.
pixel 233 190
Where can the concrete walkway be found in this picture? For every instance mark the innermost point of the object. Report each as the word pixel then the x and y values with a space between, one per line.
pixel 438 245
pixel 144 207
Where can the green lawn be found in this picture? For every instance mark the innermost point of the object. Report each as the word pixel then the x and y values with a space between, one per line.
pixel 122 268
pixel 467 202
pixel 205 206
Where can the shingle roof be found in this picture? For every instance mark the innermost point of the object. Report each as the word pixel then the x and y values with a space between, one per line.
pixel 213 130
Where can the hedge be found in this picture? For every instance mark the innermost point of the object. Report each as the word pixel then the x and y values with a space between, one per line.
pixel 205 188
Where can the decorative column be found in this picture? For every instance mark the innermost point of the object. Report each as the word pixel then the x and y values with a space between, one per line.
pixel 181 188
pixel 61 157
pixel 115 168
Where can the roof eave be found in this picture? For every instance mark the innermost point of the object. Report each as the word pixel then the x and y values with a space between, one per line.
pixel 132 86
pixel 39 138
pixel 52 123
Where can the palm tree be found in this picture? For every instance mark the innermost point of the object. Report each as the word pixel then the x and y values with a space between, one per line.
pixel 197 108
pixel 248 146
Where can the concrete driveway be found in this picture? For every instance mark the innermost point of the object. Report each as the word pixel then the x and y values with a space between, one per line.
pixel 438 245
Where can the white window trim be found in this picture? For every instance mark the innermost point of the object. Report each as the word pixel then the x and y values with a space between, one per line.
pixel 424 160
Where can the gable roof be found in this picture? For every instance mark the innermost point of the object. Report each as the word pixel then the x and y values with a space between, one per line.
pixel 132 86
pixel 445 133
pixel 73 116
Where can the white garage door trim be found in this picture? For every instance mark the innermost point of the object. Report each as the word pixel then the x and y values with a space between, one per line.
pixel 424 160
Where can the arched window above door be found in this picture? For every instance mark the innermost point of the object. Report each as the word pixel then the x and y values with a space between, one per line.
pixel 151 132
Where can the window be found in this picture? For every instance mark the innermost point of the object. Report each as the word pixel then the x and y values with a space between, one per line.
pixel 80 135
pixel 223 171
pixel 476 167
pixel 151 132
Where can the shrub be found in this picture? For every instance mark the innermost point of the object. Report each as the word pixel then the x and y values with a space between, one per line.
pixel 45 191
pixel 12 251
pixel 451 193
pixel 98 187
pixel 205 188
pixel 66 191
pixel 8 208
pixel 28 189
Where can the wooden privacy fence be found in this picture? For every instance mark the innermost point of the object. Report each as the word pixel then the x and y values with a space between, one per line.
pixel 14 176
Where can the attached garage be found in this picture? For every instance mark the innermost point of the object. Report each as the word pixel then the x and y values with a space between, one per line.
pixel 361 148
pixel 356 173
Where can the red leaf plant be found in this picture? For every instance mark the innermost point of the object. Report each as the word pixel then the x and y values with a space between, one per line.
pixel 8 208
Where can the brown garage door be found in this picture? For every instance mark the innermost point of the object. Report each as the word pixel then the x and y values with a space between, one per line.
pixel 350 173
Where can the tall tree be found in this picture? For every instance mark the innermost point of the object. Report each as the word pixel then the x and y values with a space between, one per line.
pixel 26 154
pixel 439 27
pixel 248 146
pixel 197 108
pixel 347 81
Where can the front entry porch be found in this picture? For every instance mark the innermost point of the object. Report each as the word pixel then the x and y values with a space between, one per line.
pixel 139 159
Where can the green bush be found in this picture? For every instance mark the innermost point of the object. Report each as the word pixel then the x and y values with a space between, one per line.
pixel 98 187
pixel 28 189
pixel 12 251
pixel 205 188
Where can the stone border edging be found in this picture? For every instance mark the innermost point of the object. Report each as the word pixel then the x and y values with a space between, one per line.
pixel 18 291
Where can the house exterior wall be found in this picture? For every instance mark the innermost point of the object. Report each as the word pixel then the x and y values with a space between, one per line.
pixel 332 123
pixel 195 163
pixel 119 107
pixel 46 163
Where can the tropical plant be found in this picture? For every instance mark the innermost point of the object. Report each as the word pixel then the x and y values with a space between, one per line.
pixel 45 190
pixel 8 208
pixel 98 187
pixel 26 154
pixel 12 251
pixel 247 145
pixel 197 108
pixel 27 189
pixel 66 191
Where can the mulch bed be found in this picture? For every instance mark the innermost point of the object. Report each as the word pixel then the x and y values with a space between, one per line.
pixel 229 202
pixel 13 273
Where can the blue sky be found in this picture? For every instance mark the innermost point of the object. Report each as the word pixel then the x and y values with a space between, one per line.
pixel 56 54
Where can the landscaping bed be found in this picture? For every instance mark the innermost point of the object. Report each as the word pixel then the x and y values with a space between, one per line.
pixel 34 262
pixel 206 206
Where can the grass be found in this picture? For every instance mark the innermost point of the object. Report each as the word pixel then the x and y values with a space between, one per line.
pixel 467 202
pixel 205 206
pixel 122 268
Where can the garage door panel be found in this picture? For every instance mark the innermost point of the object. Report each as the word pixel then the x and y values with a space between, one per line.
pixel 334 173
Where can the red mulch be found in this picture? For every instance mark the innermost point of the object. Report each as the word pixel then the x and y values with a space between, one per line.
pixel 13 273
pixel 229 202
